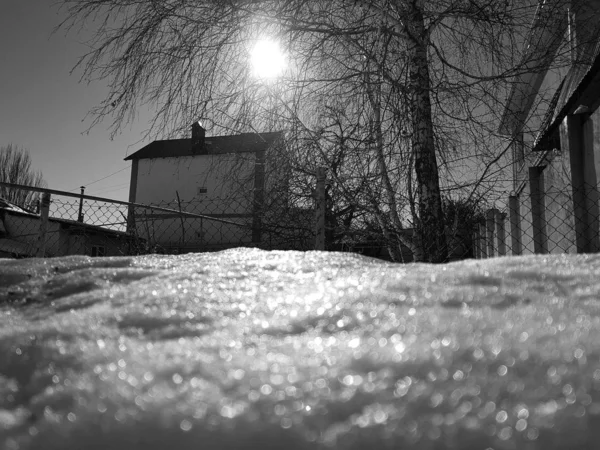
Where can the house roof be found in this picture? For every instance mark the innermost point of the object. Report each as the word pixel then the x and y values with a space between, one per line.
pixel 542 43
pixel 74 226
pixel 239 143
pixel 5 204
pixel 580 93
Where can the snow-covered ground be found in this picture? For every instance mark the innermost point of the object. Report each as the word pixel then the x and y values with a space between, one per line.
pixel 247 349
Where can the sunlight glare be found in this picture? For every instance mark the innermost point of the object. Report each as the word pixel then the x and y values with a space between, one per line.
pixel 267 59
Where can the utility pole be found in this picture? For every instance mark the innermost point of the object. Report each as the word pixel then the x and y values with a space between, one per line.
pixel 44 213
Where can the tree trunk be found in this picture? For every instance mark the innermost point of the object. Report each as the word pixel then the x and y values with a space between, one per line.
pixel 393 218
pixel 430 233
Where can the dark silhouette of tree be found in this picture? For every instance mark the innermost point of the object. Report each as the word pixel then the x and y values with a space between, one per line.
pixel 16 168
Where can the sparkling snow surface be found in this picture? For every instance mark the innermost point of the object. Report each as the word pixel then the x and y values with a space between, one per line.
pixel 247 349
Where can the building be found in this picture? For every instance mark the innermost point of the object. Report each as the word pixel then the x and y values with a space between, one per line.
pixel 221 178
pixel 21 236
pixel 553 124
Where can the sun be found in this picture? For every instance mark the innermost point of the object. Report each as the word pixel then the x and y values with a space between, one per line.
pixel 267 59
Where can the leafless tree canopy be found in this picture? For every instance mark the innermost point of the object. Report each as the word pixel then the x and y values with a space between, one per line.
pixel 400 99
pixel 16 168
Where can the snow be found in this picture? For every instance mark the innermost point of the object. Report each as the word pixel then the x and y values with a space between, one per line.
pixel 7 206
pixel 247 349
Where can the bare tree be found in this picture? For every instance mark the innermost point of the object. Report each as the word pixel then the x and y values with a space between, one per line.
pixel 423 81
pixel 16 168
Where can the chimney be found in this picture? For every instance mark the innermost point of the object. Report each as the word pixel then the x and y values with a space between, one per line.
pixel 198 135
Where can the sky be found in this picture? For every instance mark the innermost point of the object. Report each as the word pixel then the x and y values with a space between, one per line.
pixel 43 107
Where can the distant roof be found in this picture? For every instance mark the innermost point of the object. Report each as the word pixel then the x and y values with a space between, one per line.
pixel 239 143
pixel 5 204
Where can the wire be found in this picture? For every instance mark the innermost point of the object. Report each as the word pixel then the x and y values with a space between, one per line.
pixel 116 187
pixel 112 186
pixel 103 178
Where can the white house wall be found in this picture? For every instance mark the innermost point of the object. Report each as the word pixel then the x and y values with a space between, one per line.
pixel 59 242
pixel 228 178
pixel 229 182
pixel 591 170
pixel 25 229
pixel 193 234
pixel 532 127
pixel 558 199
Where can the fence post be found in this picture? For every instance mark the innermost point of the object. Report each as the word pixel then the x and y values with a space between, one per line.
pixel 500 217
pixel 44 213
pixel 182 240
pixel 80 217
pixel 490 225
pixel 483 247
pixel 476 246
pixel 320 210
pixel 572 129
pixel 515 225
pixel 259 197
pixel 538 210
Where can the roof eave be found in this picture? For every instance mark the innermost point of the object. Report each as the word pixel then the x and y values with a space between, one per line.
pixel 586 95
pixel 269 138
pixel 542 43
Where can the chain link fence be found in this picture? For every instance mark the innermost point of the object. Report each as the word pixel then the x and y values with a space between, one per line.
pixel 554 219
pixel 58 223
pixel 218 223
pixel 551 220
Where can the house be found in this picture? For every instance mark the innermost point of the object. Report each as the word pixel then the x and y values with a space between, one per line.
pixel 20 236
pixel 221 178
pixel 553 124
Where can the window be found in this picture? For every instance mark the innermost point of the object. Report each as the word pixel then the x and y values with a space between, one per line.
pixel 202 190
pixel 98 250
